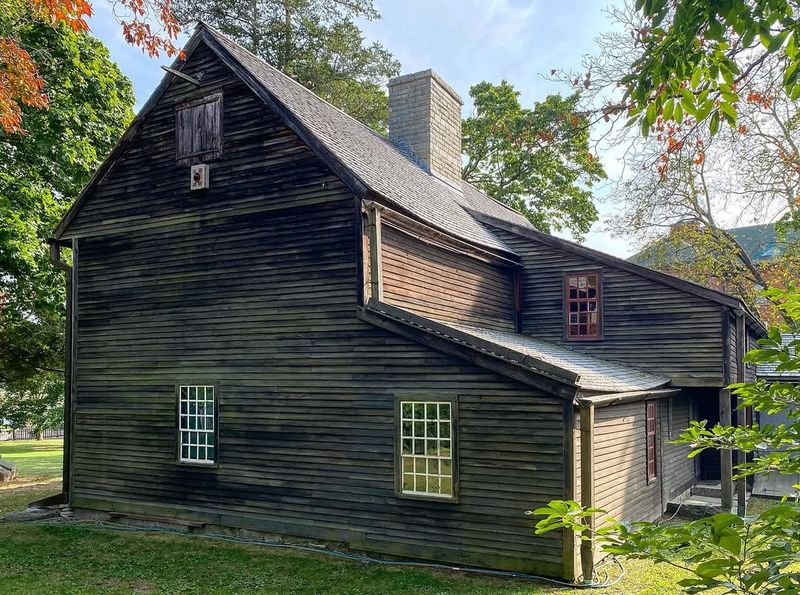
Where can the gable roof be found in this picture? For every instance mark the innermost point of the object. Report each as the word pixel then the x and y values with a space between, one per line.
pixel 365 160
pixel 625 265
pixel 584 373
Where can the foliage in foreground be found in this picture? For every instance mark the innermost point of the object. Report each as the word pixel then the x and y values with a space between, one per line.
pixel 740 555
pixel 754 555
pixel 777 447
pixel 699 55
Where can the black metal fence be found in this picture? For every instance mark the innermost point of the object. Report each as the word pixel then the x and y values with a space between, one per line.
pixel 29 434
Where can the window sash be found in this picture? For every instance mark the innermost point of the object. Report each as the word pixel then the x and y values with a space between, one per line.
pixel 197 435
pixel 582 299
pixel 426 445
pixel 651 427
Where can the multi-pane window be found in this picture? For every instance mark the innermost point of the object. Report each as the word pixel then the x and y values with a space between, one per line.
pixel 426 442
pixel 651 439
pixel 582 305
pixel 196 424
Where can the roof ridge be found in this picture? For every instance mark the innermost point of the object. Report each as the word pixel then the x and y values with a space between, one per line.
pixel 279 72
pixel 372 160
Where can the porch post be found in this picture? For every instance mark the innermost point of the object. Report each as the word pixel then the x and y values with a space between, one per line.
pixel 726 455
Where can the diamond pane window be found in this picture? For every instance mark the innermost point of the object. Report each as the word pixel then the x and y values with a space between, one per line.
pixel 196 424
pixel 426 430
pixel 582 305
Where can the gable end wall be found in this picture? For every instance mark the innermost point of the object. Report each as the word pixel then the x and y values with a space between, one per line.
pixel 253 285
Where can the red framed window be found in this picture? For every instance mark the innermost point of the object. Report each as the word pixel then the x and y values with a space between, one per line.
pixel 651 440
pixel 582 305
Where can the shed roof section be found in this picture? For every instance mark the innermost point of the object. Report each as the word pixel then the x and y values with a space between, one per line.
pixel 587 374
pixel 594 374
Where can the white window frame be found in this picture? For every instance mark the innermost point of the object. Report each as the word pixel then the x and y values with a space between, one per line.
pixel 196 430
pixel 422 447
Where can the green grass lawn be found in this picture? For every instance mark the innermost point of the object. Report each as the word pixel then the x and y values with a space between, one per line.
pixel 72 558
pixel 61 558
pixel 37 461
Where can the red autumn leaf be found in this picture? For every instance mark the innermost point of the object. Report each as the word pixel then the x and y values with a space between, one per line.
pixel 20 82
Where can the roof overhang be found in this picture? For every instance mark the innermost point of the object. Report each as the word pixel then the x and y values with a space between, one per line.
pixel 607 400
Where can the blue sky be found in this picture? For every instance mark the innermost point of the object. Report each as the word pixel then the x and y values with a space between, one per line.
pixel 466 41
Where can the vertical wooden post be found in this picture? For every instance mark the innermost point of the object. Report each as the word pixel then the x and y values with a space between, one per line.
pixel 587 490
pixel 741 483
pixel 726 455
pixel 518 299
pixel 375 260
pixel 569 487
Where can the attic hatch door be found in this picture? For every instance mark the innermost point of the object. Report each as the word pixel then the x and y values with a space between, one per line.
pixel 198 129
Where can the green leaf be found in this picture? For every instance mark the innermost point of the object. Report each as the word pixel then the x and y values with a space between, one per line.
pixel 713 125
pixel 696 78
pixel 678 113
pixel 731 542
pixel 669 107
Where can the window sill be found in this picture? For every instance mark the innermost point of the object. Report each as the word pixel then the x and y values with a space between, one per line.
pixel 198 464
pixel 427 497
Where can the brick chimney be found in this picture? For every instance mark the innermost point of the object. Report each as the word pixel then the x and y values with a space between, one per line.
pixel 425 116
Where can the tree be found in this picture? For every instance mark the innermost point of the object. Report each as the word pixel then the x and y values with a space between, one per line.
pixel 316 42
pixel 698 56
pixel 535 160
pixel 690 181
pixel 41 172
pixel 37 407
pixel 22 83
pixel 751 555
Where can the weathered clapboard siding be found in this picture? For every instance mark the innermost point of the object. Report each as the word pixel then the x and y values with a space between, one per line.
pixel 750 338
pixel 621 485
pixel 646 324
pixel 253 285
pixel 433 281
pixel 678 471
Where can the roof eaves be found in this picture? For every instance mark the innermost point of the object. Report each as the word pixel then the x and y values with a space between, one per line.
pixel 608 399
pixel 667 279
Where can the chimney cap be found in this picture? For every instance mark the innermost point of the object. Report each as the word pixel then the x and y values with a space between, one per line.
pixel 429 73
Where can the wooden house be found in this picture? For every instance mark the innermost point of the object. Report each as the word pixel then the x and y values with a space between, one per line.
pixel 283 321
